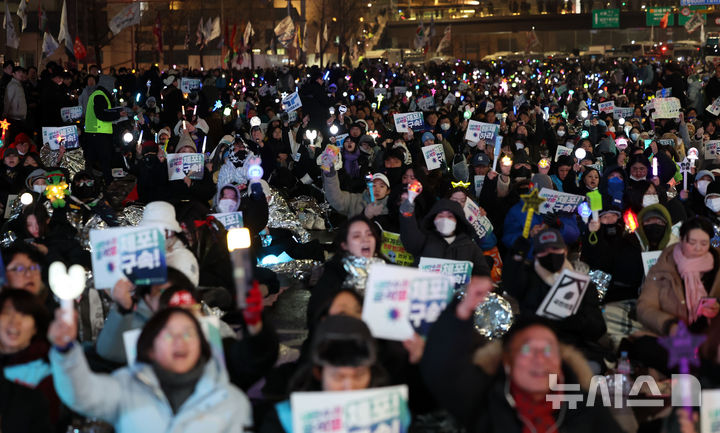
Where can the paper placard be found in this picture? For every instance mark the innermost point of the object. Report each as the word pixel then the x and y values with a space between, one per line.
pixel 666 108
pixel 407 122
pixel 130 339
pixel 137 253
pixel 188 85
pixel 377 410
pixel 402 301
pixel 664 93
pixel 8 205
pixel 562 150
pixel 400 90
pixel 459 270
pixel 393 249
pixel 622 112
pixel 714 108
pixel 291 102
pixel 606 107
pixel 649 258
pixel 55 136
pixel 379 91
pixel 710 411
pixel 449 99
pixel 180 165
pixel 556 201
pixel 426 104
pixel 712 149
pixel 480 223
pixel 477 131
pixel 478 182
pixel 230 220
pixel 565 297
pixel 434 156
pixel 71 114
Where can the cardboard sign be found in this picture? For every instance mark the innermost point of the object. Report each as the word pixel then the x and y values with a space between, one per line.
pixel 230 220
pixel 426 104
pixel 480 223
pixel 664 93
pixel 61 135
pixel 712 149
pixel 401 301
pixel 377 410
pixel 564 298
pixel 562 150
pixel 606 107
pixel 291 102
pixel 666 108
pixel 434 156
pixel 622 112
pixel 393 249
pixel 71 114
pixel 714 108
pixel 379 91
pixel 407 122
pixel 477 131
pixel 556 201
pixel 649 258
pixel 459 270
pixel 710 411
pixel 180 165
pixel 188 85
pixel 449 99
pixel 8 205
pixel 400 90
pixel 137 253
pixel 479 181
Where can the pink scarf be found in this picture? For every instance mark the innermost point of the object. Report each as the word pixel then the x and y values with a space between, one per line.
pixel 690 270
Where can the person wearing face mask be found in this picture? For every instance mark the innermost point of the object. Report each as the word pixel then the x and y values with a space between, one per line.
pixel 529 280
pixel 200 190
pixel 151 172
pixel 712 202
pixel 654 230
pixel 643 194
pixel 444 233
pixel 521 168
pixel 695 202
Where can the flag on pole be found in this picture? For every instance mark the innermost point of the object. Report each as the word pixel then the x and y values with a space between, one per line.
pixel 22 13
pixel 249 33
pixel 129 16
pixel 64 35
pixel 532 40
pixel 12 39
pixel 420 36
pixel 49 44
pixel 79 49
pixel 664 20
pixel 445 41
pixel 285 31
pixel 157 32
pixel 42 19
pixel 212 29
pixel 200 33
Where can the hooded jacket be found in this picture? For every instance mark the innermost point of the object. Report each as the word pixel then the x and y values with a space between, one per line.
pixel 132 400
pixel 472 386
pixel 426 241
pixel 348 204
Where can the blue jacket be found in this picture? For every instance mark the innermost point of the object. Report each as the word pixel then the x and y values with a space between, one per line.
pixel 515 221
pixel 132 400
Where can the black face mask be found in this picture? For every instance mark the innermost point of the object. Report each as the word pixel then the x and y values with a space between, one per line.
pixel 238 158
pixel 654 233
pixel 523 172
pixel 553 262
pixel 84 192
pixel 610 229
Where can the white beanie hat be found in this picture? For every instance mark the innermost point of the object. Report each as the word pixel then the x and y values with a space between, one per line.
pixel 184 261
pixel 160 214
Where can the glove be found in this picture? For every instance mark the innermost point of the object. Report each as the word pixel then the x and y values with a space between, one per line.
pixel 253 306
pixel 407 208
pixel 372 210
pixel 256 191
pixel 521 246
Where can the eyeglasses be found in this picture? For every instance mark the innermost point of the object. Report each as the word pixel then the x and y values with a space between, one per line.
pixel 24 269
pixel 545 350
pixel 85 182
pixel 185 336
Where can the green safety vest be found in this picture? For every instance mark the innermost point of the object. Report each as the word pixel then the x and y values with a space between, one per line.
pixel 92 123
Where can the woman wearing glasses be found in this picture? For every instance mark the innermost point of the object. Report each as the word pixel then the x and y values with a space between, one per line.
pixel 23 269
pixel 175 385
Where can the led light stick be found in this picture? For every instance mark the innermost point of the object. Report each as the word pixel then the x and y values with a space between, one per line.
pixel 369 182
pixel 66 284
pixel 531 204
pixel 238 242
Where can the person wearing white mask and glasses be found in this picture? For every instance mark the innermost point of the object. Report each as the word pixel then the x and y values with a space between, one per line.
pixel 712 202
pixel 694 199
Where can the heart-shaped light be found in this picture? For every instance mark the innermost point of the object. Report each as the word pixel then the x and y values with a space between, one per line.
pixel 66 283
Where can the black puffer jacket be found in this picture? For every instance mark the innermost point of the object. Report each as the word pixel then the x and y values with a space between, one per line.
pixel 427 242
pixel 476 395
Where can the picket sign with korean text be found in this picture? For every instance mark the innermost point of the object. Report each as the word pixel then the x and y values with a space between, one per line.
pixel 477 131
pixel 71 114
pixel 377 91
pixel 407 122
pixel 712 149
pixel 556 201
pixel 714 108
pixel 565 297
pixel 649 258
pixel 400 90
pixel 622 112
pixel 449 99
pixel 137 253
pixel 459 270
pixel 54 137
pixel 434 156
pixel 180 165
pixel 606 107
pixel 426 104
pixel 230 220
pixel 291 102
pixel 376 410
pixel 393 249
pixel 666 108
pixel 188 85
pixel 478 182
pixel 561 151
pixel 480 223
pixel 400 302
pixel 710 411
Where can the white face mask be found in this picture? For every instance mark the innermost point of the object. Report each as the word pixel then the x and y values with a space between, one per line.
pixel 561 132
pixel 713 204
pixel 519 145
pixel 637 179
pixel 39 188
pixel 445 226
pixel 444 126
pixel 227 205
pixel 650 199
pixel 702 187
pixel 634 136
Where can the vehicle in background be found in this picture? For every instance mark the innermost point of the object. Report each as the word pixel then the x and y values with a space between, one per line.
pixel 686 50
pixel 711 49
